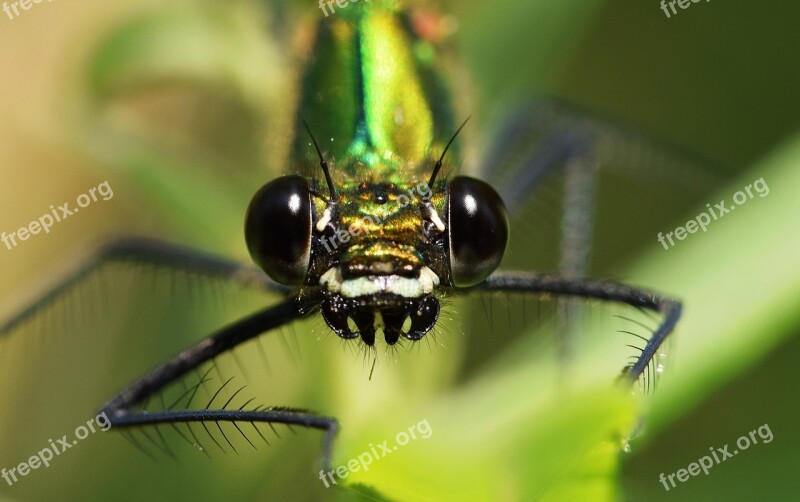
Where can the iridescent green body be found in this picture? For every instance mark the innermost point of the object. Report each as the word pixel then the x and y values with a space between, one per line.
pixel 382 237
pixel 375 243
pixel 374 97
pixel 381 111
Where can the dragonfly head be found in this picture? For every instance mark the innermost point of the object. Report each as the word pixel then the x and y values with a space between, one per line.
pixel 379 252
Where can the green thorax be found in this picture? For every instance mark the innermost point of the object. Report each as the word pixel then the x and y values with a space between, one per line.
pixel 374 98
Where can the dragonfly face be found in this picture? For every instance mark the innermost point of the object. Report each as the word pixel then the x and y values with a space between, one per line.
pixel 381 242
pixel 378 252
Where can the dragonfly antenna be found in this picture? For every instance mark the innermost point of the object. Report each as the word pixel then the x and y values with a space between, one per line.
pixel 323 163
pixel 373 366
pixel 438 165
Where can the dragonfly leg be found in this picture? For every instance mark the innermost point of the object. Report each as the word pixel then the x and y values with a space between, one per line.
pixel 122 413
pixel 599 290
pixel 577 221
pixel 146 252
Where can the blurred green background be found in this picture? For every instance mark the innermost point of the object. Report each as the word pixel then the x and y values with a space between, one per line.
pixel 183 108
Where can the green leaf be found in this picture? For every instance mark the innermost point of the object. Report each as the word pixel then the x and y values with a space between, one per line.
pixel 499 440
pixel 739 283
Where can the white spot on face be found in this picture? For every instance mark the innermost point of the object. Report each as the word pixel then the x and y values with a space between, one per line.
pixel 323 222
pixel 332 280
pixel 428 279
pixel 365 286
pixel 434 216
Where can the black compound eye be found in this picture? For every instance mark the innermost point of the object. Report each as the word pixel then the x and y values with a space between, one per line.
pixel 277 229
pixel 477 222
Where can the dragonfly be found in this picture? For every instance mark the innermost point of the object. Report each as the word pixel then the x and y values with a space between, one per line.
pixel 374 228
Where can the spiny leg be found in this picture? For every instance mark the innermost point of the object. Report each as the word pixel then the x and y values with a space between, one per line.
pixel 572 153
pixel 578 218
pixel 548 136
pixel 552 137
pixel 577 222
pixel 600 290
pixel 556 152
pixel 121 412
pixel 147 252
pixel 565 149
pixel 542 133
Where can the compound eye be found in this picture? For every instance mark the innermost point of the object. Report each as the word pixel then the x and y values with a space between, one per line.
pixel 277 229
pixel 477 223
